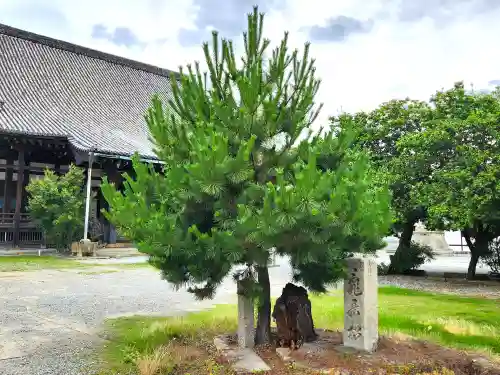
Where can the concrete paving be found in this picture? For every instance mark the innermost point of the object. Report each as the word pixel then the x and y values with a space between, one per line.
pixel 442 264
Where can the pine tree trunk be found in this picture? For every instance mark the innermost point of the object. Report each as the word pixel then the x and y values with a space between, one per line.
pixel 404 243
pixel 263 330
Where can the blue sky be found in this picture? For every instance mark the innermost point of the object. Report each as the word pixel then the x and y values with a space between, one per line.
pixel 367 51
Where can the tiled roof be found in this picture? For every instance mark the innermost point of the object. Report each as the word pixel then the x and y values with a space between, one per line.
pixel 95 100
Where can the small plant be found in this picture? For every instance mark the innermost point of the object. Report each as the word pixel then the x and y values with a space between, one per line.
pixel 129 354
pixel 492 259
pixel 443 371
pixel 154 363
pixel 410 258
pixel 213 368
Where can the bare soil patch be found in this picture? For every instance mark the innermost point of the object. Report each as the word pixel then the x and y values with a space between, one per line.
pixel 395 355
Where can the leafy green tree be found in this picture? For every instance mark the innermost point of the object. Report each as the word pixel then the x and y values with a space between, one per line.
pixel 378 132
pixel 243 174
pixel 56 204
pixel 461 150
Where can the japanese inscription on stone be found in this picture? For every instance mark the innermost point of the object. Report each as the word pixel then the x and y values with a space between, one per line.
pixel 354 309
pixel 354 287
pixel 354 332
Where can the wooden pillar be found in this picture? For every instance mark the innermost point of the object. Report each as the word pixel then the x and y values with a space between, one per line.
pixel 110 169
pixel 26 181
pixel 6 190
pixel 19 196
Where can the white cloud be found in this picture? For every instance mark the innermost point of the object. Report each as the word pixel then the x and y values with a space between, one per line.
pixel 395 59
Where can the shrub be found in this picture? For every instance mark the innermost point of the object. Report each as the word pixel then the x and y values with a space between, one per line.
pixel 492 259
pixel 56 205
pixel 383 269
pixel 410 258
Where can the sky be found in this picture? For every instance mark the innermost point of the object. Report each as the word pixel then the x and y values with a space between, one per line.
pixel 367 51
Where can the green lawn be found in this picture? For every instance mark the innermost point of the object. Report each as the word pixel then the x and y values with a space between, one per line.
pixel 33 263
pixel 453 321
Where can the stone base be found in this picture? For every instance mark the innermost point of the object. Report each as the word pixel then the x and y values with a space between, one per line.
pixel 326 341
pixel 84 248
pixel 241 360
pixel 285 354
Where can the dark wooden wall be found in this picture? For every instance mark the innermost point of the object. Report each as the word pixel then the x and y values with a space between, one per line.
pixel 16 228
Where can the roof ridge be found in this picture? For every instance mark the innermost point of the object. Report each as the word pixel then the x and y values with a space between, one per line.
pixel 85 51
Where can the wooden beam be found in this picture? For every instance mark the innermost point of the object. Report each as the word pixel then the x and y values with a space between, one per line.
pixel 41 170
pixel 5 167
pixel 19 196
pixel 16 139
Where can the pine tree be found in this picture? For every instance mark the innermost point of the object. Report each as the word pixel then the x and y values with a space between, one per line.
pixel 243 175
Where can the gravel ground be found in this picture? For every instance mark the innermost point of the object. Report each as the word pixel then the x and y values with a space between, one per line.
pixel 486 289
pixel 49 320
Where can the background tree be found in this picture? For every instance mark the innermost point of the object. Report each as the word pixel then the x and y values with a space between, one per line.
pixel 237 180
pixel 462 151
pixel 378 132
pixel 56 204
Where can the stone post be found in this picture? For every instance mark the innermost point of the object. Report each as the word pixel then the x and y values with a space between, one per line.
pixel 246 326
pixel 360 305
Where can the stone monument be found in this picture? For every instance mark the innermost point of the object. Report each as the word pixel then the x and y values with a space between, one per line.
pixel 434 239
pixel 246 325
pixel 84 247
pixel 360 304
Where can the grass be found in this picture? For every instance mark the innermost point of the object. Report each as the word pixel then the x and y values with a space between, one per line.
pixel 33 263
pixel 450 320
pixel 154 345
pixel 23 263
pixel 98 272
pixel 453 321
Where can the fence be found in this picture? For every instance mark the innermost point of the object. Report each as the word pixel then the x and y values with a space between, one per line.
pixel 29 234
pixel 463 246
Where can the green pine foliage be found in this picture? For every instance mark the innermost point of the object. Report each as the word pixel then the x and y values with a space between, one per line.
pixel 243 174
pixel 56 204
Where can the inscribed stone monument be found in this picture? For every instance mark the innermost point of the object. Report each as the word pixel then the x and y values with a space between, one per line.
pixel 360 305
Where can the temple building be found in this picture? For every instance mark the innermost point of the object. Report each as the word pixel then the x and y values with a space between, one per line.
pixel 60 104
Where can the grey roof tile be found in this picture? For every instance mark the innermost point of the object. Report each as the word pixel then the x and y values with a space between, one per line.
pixel 95 100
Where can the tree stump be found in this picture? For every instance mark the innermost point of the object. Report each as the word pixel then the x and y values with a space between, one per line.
pixel 293 317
